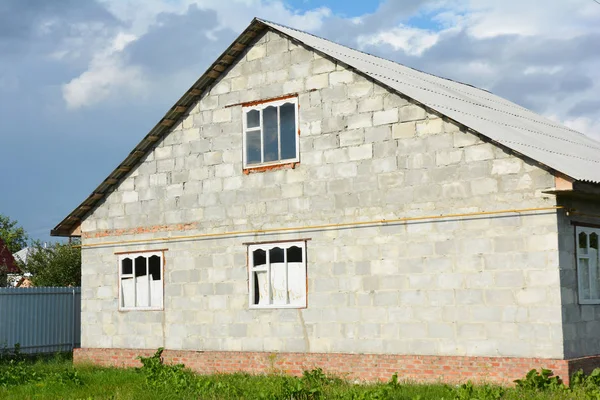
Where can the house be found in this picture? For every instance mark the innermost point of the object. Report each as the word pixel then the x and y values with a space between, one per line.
pixel 305 204
pixel 8 266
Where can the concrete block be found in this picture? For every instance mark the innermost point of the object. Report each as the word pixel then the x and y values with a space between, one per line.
pixel 379 134
pixel 222 115
pixel 256 52
pixel 360 90
pixel 429 127
pixel 368 104
pixel 339 77
pixel 322 65
pixel 362 152
pixel 385 117
pixel 344 108
pixel 352 137
pixel 448 157
pixel 506 166
pixel 301 70
pixel 362 120
pixel 412 112
pixel 317 82
pixel 464 139
pixel 479 152
pixel 404 130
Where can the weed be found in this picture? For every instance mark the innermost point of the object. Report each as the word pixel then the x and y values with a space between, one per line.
pixel 543 380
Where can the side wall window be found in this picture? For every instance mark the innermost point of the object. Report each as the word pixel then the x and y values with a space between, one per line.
pixel 277 275
pixel 271 133
pixel 588 265
pixel 141 281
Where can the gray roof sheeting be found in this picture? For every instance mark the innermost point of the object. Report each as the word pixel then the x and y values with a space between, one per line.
pixel 548 142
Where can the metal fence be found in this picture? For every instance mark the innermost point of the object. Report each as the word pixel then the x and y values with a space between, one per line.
pixel 41 320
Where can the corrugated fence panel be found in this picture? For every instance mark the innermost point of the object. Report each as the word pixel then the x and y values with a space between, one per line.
pixel 41 320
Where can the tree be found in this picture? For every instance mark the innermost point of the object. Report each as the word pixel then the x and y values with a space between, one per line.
pixel 58 264
pixel 14 236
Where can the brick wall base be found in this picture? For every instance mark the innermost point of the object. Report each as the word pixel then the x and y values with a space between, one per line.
pixel 363 367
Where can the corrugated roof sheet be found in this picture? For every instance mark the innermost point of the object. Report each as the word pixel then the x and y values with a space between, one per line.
pixel 548 142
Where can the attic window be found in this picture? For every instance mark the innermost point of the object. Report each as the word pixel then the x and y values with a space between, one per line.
pixel 140 281
pixel 271 133
pixel 277 275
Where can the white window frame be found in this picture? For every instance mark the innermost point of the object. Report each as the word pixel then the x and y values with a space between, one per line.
pixel 593 265
pixel 133 256
pixel 267 268
pixel 260 107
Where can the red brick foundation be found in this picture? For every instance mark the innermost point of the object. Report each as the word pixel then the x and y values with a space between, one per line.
pixel 364 367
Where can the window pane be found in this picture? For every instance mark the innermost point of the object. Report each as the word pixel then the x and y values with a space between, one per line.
pixel 276 255
pixel 261 290
pixel 154 267
pixel 141 282
pixel 271 145
pixel 584 270
pixel 594 241
pixel 278 276
pixel 583 245
pixel 259 257
pixel 294 254
pixel 253 147
pixel 127 289
pixel 253 119
pixel 140 266
pixel 127 266
pixel 288 131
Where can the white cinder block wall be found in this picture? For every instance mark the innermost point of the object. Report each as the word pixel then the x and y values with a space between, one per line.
pixel 481 286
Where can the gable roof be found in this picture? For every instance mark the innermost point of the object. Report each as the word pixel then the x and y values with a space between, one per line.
pixel 7 259
pixel 547 142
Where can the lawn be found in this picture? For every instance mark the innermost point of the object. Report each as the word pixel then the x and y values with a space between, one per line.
pixel 57 378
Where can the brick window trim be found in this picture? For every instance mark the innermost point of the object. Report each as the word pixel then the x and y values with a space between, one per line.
pixel 362 367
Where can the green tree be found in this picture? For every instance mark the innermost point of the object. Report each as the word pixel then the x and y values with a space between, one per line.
pixel 13 236
pixel 58 264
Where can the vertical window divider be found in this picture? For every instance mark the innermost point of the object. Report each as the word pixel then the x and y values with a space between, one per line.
pixel 287 286
pixel 135 302
pixel 148 281
pixel 262 137
pixel 269 278
pixel 279 132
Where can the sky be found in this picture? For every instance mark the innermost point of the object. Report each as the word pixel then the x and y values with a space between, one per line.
pixel 82 81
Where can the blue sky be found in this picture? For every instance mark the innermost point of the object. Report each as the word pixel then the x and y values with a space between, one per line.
pixel 82 81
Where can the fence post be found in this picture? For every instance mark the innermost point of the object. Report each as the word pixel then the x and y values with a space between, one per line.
pixel 73 320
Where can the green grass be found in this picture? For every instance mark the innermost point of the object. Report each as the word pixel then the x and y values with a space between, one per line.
pixel 57 378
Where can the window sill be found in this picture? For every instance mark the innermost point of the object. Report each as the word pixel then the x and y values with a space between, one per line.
pixel 271 167
pixel 271 307
pixel 589 302
pixel 142 309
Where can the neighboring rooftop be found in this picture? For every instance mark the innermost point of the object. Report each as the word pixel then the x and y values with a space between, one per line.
pixel 549 143
pixel 7 259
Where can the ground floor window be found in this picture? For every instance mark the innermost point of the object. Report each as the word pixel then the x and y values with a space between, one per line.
pixel 141 281
pixel 588 265
pixel 277 275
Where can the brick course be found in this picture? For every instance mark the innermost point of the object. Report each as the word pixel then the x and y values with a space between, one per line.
pixel 361 367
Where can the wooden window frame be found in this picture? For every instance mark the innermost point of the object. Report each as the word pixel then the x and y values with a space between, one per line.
pixel 132 256
pixel 266 246
pixel 588 230
pixel 260 106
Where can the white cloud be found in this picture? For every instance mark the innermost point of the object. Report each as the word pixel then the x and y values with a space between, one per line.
pixel 413 41
pixel 106 74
